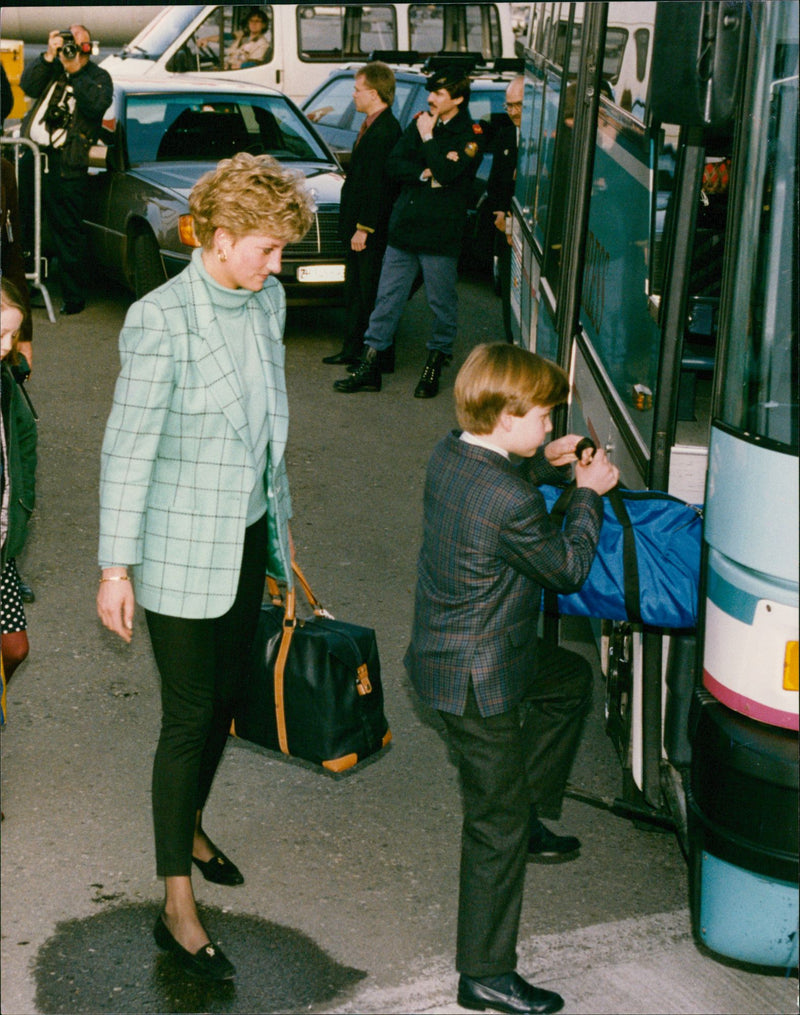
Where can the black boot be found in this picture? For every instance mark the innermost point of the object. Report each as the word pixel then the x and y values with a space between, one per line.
pixel 367 376
pixel 385 361
pixel 428 386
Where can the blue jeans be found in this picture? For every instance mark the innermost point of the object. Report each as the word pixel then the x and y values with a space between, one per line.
pixel 400 268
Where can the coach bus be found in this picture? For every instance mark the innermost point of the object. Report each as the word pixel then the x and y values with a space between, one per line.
pixel 654 255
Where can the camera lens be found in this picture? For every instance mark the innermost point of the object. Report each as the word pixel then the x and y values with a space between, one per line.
pixel 70 50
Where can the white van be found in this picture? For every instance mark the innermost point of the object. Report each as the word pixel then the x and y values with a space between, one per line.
pixel 302 43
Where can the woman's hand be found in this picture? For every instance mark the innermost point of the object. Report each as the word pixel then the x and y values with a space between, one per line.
pixel 115 603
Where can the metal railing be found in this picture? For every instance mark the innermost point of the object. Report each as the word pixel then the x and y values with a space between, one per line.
pixel 39 273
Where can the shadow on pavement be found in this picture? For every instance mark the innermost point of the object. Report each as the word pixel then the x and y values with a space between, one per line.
pixel 109 963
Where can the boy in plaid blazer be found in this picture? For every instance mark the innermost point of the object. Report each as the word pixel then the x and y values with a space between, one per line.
pixel 512 705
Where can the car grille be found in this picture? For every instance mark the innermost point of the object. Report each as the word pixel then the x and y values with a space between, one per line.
pixel 321 238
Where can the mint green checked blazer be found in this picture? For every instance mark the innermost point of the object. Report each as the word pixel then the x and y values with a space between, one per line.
pixel 177 466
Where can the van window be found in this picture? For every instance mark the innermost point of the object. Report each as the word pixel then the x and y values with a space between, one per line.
pixel 232 37
pixel 454 28
pixel 328 32
pixel 642 39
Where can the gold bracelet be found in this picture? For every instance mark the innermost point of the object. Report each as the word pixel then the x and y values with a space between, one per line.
pixel 116 578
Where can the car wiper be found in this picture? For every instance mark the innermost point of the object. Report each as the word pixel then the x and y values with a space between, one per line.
pixel 136 51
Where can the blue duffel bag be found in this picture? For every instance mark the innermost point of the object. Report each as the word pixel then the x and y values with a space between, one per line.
pixel 647 567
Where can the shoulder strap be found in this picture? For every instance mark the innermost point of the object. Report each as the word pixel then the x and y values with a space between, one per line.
pixel 630 562
pixel 289 625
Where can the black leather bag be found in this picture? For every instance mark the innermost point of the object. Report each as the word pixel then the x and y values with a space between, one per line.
pixel 314 688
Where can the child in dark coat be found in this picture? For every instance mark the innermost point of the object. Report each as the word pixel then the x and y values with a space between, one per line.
pixel 513 706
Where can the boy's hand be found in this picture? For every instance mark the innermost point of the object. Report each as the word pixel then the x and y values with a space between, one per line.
pixel 562 450
pixel 598 474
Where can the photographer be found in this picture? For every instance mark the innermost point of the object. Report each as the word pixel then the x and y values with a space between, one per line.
pixel 73 94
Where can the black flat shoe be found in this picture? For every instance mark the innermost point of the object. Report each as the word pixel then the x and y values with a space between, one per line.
pixel 208 963
pixel 548 845
pixel 341 358
pixel 219 869
pixel 509 994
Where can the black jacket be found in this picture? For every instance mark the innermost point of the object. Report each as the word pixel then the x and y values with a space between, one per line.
pixel 368 193
pixel 500 186
pixel 429 215
pixel 93 92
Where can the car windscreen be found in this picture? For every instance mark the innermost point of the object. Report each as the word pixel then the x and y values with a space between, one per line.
pixel 167 127
pixel 161 32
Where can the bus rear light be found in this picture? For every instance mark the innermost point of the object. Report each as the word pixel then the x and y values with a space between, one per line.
pixel 790 667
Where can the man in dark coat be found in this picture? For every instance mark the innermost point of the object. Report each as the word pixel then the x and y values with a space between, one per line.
pixel 500 190
pixel 73 94
pixel 366 202
pixel 435 162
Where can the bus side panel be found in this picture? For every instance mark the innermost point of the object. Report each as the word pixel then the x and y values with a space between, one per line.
pixel 750 653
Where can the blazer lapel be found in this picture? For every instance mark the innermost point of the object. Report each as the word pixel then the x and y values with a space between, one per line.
pixel 214 359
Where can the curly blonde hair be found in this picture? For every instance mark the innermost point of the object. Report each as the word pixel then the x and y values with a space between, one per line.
pixel 252 194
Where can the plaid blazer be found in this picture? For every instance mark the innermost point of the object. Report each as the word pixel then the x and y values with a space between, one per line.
pixel 177 463
pixel 488 548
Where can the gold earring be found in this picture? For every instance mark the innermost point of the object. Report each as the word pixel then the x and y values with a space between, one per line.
pixel 222 255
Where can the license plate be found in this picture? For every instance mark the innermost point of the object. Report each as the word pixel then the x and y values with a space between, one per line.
pixel 320 273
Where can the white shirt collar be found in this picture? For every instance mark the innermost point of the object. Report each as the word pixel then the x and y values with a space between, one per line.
pixel 479 441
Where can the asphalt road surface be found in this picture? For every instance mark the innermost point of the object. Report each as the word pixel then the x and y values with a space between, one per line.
pixel 351 882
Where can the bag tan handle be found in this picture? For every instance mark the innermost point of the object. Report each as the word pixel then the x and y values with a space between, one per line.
pixel 289 624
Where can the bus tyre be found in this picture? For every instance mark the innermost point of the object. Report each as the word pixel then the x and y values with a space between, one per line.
pixel 148 270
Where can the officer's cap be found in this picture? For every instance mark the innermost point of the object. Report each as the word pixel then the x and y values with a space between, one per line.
pixel 447 77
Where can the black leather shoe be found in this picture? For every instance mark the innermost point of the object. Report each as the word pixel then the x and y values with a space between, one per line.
pixel 208 963
pixel 546 844
pixel 219 869
pixel 508 993
pixel 73 306
pixel 341 358
pixel 385 361
pixel 367 376
pixel 428 386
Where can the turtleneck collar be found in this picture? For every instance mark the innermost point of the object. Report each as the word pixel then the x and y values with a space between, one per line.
pixel 233 299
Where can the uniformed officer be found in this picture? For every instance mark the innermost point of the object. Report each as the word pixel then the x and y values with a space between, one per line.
pixel 435 162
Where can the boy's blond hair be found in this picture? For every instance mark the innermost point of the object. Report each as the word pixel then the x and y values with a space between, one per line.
pixel 500 377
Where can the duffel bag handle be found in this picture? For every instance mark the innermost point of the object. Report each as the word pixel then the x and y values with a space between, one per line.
pixel 291 600
pixel 289 625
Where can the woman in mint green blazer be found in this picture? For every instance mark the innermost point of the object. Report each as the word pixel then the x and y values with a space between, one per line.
pixel 194 502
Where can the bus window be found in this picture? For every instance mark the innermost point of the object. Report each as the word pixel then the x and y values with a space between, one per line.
pixel 614 312
pixel 760 366
pixel 329 32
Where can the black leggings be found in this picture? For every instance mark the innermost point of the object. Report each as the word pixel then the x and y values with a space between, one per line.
pixel 202 664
